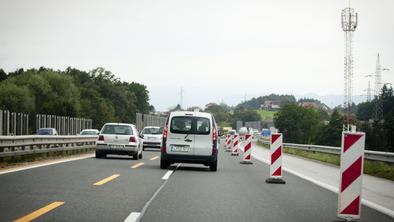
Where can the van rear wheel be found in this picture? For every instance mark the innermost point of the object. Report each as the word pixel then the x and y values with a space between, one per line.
pixel 214 166
pixel 163 164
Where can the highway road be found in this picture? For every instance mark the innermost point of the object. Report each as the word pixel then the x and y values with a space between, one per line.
pixel 121 189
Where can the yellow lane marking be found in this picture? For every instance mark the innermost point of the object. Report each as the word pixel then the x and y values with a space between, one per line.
pixel 39 212
pixel 101 182
pixel 155 157
pixel 137 165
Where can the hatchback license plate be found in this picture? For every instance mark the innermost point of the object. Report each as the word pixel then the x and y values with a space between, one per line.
pixel 180 148
pixel 116 146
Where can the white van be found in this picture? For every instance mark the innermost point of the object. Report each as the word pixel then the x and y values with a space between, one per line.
pixel 190 137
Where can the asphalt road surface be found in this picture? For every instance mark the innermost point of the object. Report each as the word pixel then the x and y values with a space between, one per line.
pixel 119 188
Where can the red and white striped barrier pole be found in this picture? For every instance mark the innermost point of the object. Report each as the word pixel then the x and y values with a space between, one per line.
pixel 229 143
pixel 235 145
pixel 225 141
pixel 247 150
pixel 351 168
pixel 276 144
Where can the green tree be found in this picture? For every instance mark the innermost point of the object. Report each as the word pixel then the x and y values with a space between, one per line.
pixel 221 113
pixel 331 133
pixel 298 124
pixel 3 75
pixel 14 98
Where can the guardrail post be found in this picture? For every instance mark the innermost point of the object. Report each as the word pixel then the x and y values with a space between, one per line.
pixel 27 124
pixel 20 117
pixel 14 124
pixel 1 122
pixel 8 122
pixel 68 125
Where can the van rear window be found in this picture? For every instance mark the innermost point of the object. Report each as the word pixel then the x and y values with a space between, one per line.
pixel 190 125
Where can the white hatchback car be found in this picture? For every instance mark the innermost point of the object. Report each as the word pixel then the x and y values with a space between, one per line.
pixel 190 137
pixel 120 139
pixel 152 136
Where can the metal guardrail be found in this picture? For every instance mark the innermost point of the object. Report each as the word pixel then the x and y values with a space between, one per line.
pixel 368 154
pixel 24 145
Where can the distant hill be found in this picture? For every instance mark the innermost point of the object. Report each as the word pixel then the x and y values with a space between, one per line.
pixel 255 103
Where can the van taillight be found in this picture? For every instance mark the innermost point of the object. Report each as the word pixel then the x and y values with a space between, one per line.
pixel 214 134
pixel 214 141
pixel 101 138
pixel 132 139
pixel 165 133
pixel 163 147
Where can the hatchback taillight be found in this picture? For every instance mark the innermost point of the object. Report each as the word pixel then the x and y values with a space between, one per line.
pixel 101 138
pixel 132 139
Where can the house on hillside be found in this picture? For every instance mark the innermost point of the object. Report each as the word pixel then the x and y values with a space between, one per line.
pixel 269 104
pixel 309 104
pixel 210 104
pixel 194 108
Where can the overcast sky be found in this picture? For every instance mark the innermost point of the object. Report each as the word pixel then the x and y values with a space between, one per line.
pixel 217 50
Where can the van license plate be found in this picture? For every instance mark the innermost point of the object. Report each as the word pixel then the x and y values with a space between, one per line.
pixel 180 148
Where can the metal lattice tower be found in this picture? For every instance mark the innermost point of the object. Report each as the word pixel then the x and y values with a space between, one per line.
pixel 349 24
pixel 378 77
pixel 378 88
pixel 369 91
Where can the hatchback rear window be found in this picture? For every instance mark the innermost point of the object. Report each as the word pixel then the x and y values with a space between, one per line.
pixel 44 132
pixel 117 129
pixel 190 125
pixel 152 130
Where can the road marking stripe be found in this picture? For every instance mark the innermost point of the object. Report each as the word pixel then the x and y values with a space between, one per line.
pixel 137 165
pixel 101 182
pixel 141 214
pixel 39 212
pixel 155 157
pixel 167 175
pixel 36 165
pixel 132 217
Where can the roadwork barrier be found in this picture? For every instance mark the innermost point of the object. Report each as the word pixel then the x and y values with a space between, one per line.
pixel 235 147
pixel 351 168
pixel 230 143
pixel 247 150
pixel 276 144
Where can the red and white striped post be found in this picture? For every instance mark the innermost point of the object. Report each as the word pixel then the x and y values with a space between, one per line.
pixel 235 145
pixel 351 168
pixel 229 143
pixel 276 144
pixel 225 141
pixel 247 150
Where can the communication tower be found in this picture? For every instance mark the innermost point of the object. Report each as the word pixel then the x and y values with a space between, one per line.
pixel 349 24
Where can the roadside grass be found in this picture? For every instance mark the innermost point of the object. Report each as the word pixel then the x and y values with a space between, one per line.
pixel 373 168
pixel 266 114
pixel 11 161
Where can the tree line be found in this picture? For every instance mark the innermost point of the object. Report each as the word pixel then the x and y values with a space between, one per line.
pixel 375 118
pixel 96 94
